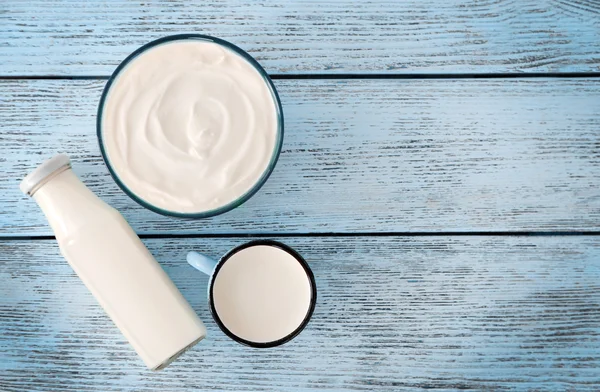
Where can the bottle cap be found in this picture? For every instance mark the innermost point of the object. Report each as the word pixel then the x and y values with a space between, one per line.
pixel 44 172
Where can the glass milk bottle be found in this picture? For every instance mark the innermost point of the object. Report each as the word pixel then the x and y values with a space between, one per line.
pixel 115 265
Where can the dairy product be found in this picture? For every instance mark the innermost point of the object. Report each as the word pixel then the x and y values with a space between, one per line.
pixel 115 265
pixel 262 294
pixel 189 126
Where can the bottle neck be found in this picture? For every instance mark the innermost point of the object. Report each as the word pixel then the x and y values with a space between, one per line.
pixel 68 204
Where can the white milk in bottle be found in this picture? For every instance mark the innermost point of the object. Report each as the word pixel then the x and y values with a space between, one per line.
pixel 115 265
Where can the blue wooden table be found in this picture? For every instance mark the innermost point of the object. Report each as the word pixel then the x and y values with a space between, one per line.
pixel 440 174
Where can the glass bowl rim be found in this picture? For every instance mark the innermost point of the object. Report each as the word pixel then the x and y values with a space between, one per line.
pixel 278 142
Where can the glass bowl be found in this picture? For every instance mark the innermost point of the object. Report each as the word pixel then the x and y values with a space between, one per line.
pixel 278 138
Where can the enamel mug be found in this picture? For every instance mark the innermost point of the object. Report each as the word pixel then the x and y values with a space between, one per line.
pixel 261 294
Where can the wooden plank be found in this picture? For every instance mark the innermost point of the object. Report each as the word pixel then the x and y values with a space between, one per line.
pixel 324 36
pixel 358 156
pixel 447 313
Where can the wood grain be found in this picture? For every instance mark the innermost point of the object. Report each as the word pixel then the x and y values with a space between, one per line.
pixel 447 313
pixel 358 156
pixel 324 36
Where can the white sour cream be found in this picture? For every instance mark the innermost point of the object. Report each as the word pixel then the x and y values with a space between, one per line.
pixel 189 126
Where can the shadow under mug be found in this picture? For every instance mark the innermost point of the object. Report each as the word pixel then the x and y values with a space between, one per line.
pixel 212 268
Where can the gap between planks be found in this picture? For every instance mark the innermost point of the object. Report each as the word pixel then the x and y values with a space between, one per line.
pixel 357 234
pixel 321 76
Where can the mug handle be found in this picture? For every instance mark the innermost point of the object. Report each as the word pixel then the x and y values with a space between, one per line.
pixel 201 262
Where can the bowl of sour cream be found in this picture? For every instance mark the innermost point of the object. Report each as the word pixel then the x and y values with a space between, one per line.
pixel 190 126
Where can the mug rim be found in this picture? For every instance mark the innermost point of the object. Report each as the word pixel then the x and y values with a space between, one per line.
pixel 278 113
pixel 299 259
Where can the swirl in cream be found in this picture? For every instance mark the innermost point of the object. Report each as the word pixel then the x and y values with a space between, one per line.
pixel 189 126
